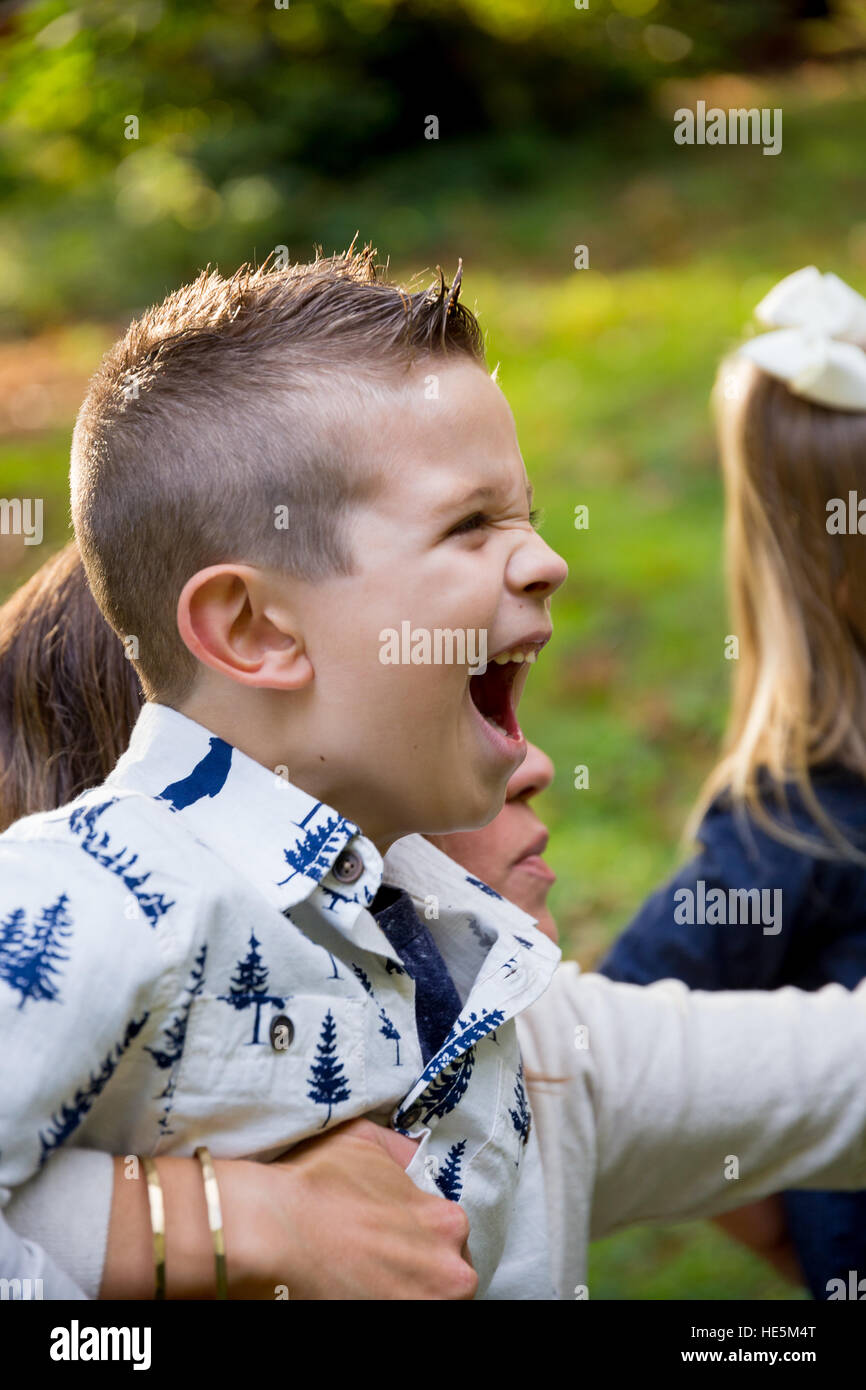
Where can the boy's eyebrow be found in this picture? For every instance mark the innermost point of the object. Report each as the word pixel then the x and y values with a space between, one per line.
pixel 478 494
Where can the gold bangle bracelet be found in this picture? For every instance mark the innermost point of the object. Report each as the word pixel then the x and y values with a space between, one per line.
pixel 156 1202
pixel 214 1219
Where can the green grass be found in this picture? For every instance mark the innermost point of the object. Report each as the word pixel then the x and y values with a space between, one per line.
pixel 608 372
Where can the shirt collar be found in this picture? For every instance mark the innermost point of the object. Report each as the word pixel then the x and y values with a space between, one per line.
pixel 264 826
pixel 430 876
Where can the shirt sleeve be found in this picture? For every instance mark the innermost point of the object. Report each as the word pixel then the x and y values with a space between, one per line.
pixel 29 1271
pixel 65 1210
pixel 697 1102
pixel 729 919
pixel 80 971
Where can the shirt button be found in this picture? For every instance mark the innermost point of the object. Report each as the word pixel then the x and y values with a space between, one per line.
pixel 348 867
pixel 282 1032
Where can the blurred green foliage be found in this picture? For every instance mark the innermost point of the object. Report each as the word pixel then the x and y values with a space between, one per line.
pixel 255 123
pixel 261 127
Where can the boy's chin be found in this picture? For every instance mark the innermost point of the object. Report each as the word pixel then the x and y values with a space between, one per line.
pixel 472 813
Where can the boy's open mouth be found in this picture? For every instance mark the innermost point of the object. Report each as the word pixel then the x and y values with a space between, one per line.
pixel 493 691
pixel 491 695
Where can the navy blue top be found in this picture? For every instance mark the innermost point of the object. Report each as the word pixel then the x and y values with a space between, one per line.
pixel 822 940
pixel 437 1002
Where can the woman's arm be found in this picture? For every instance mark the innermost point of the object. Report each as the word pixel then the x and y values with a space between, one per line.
pixel 763 1228
pixel 337 1218
pixel 666 1087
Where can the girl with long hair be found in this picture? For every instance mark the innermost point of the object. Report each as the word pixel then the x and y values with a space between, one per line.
pixel 777 894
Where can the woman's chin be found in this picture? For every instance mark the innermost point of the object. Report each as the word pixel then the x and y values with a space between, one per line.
pixel 547 925
pixel 528 889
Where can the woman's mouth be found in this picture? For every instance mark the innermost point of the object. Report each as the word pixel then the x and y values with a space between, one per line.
pixel 531 861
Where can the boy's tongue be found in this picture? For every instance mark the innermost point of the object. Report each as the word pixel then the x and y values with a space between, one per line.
pixel 491 695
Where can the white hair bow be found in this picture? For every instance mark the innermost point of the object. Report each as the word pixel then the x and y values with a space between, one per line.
pixel 820 322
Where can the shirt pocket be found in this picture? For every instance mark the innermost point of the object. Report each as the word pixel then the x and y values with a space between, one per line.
pixel 256 1079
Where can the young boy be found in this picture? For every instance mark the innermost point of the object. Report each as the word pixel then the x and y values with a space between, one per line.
pixel 270 477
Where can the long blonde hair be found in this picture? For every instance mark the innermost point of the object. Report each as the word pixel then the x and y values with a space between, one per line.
pixel 798 602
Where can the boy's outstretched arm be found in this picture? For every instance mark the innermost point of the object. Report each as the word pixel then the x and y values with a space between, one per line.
pixel 676 1104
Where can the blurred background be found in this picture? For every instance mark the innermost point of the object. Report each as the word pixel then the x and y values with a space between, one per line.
pixel 261 126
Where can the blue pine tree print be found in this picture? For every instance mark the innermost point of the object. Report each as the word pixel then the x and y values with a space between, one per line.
pixel 485 887
pixel 327 1084
pixel 482 934
pixel 82 822
pixel 308 856
pixel 464 1034
pixel 448 1179
pixel 12 933
pixel 175 1034
pixel 248 987
pixel 363 977
pixel 389 1031
pixel 335 897
pixel 393 968
pixel 30 959
pixel 163 1123
pixel 520 1116
pixel 335 975
pixel 445 1093
pixel 71 1115
pixel 528 944
pixel 175 1031
pixel 206 779
pixel 389 1028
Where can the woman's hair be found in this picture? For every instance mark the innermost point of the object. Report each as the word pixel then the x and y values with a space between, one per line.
pixel 798 601
pixel 68 695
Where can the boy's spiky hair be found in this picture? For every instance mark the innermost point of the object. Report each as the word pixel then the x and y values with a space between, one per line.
pixel 230 400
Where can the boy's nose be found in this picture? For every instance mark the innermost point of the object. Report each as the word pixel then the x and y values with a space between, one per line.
pixel 536 568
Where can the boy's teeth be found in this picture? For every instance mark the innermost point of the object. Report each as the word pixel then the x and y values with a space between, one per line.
pixel 491 720
pixel 504 657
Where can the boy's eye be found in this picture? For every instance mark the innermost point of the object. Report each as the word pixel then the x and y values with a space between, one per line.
pixel 479 519
pixel 471 523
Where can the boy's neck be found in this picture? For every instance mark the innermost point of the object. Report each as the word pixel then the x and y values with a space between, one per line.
pixel 253 738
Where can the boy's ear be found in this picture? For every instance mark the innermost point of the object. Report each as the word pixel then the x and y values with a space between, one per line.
pixel 234 619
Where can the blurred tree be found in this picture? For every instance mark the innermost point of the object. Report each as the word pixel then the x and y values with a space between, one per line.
pixel 244 112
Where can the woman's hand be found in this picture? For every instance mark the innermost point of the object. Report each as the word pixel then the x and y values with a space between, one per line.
pixel 336 1218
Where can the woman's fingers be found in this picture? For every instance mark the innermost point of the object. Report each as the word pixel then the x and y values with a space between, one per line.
pixel 396 1146
pixel 338 1218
